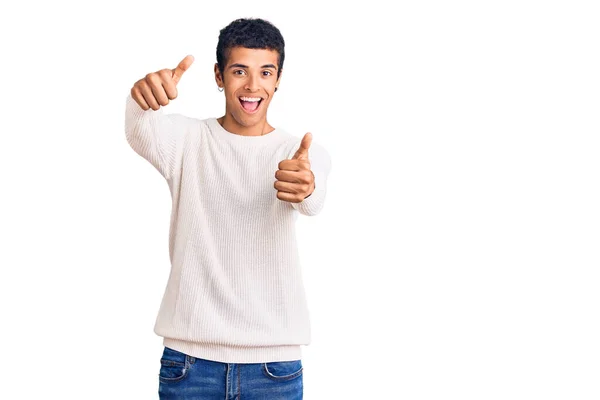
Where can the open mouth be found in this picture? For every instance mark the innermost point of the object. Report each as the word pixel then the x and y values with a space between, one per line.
pixel 250 104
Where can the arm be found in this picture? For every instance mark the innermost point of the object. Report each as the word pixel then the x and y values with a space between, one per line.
pixel 155 136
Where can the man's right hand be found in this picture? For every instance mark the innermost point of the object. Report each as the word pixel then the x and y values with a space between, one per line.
pixel 157 88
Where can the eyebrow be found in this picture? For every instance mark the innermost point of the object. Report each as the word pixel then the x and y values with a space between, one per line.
pixel 237 65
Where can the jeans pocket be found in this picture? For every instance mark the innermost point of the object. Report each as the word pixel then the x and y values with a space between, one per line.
pixel 282 370
pixel 174 366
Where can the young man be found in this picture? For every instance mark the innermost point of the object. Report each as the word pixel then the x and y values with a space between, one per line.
pixel 234 314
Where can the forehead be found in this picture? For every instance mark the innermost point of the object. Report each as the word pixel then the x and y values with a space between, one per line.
pixel 252 57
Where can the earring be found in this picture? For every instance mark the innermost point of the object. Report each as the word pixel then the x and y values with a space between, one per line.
pixel 220 89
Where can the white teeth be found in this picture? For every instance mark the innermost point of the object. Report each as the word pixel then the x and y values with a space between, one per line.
pixel 251 99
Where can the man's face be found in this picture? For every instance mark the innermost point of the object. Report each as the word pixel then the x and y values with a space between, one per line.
pixel 249 74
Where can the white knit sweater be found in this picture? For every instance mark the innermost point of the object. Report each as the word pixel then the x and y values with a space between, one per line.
pixel 235 292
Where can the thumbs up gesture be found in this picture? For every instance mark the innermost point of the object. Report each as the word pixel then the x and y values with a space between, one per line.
pixel 158 88
pixel 295 180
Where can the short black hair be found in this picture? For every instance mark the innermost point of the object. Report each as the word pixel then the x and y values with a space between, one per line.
pixel 251 33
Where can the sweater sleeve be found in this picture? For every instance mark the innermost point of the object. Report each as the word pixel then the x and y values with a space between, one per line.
pixel 155 136
pixel 320 164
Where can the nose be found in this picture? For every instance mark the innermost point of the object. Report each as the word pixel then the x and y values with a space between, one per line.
pixel 251 83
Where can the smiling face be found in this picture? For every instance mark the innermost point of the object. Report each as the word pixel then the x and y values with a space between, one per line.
pixel 249 79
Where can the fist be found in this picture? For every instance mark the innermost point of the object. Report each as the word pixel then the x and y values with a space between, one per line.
pixel 295 180
pixel 158 88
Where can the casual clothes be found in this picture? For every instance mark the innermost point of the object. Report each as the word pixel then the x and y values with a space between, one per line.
pixel 235 293
pixel 182 376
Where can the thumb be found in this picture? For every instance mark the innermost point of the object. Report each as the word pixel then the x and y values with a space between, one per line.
pixel 182 67
pixel 302 152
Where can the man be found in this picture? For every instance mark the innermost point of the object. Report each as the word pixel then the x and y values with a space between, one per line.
pixel 234 314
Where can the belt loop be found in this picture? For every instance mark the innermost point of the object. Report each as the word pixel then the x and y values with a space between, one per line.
pixel 191 359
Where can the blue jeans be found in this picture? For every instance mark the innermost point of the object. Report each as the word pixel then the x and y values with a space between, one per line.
pixel 182 376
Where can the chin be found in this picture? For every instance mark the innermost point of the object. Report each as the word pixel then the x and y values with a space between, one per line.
pixel 247 120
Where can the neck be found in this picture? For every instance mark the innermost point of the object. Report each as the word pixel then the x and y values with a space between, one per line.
pixel 231 125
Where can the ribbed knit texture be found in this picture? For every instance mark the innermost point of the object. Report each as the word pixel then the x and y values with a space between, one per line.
pixel 235 292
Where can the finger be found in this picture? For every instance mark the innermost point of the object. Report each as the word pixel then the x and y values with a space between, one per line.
pixel 166 80
pixel 182 67
pixel 149 97
pixel 294 165
pixel 290 197
pixel 302 177
pixel 290 187
pixel 170 89
pixel 159 94
pixel 137 96
pixel 155 84
pixel 302 152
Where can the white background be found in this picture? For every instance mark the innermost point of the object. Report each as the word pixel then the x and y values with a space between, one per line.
pixel 456 257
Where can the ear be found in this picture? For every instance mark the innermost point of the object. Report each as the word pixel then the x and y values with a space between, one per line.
pixel 218 76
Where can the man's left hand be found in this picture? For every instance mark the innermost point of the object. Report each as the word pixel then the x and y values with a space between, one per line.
pixel 295 180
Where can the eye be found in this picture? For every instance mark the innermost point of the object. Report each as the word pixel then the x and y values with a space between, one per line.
pixel 268 73
pixel 238 70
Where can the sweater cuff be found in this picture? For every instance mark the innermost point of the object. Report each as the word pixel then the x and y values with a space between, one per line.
pixel 313 204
